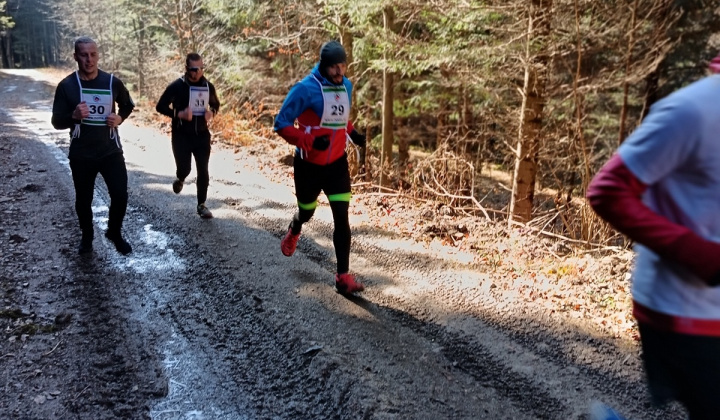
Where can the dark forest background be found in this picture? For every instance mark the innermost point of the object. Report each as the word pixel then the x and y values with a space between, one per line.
pixel 449 91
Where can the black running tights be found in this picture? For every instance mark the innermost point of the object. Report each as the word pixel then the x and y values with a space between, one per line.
pixel 112 168
pixel 186 146
pixel 341 234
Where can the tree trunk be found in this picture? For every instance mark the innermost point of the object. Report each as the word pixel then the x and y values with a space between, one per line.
pixel 179 31
pixel 346 38
pixel 139 29
pixel 55 43
pixel 30 54
pixel 403 154
pixel 8 59
pixel 652 88
pixel 9 48
pixel 45 44
pixel 465 111
pixel 441 122
pixel 364 153
pixel 626 82
pixel 526 158
pixel 191 27
pixel 387 116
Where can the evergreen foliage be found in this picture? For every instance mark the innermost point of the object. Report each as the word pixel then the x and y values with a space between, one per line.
pixel 458 66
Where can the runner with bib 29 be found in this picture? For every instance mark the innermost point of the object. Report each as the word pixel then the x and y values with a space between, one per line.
pixel 320 104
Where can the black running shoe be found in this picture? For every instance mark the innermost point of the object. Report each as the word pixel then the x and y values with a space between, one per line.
pixel 86 243
pixel 177 186
pixel 120 244
pixel 204 212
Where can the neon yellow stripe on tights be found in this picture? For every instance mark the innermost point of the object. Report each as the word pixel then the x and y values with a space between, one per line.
pixel 308 206
pixel 340 197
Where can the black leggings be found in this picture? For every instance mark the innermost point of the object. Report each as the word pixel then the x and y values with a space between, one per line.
pixel 683 367
pixel 112 168
pixel 341 233
pixel 185 146
pixel 334 181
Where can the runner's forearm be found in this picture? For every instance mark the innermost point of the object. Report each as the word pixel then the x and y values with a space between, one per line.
pixel 615 195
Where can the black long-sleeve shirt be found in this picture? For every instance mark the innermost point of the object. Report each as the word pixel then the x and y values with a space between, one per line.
pixel 92 141
pixel 177 95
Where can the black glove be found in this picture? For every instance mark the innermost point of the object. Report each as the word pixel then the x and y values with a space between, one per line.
pixel 321 142
pixel 358 139
pixel 715 280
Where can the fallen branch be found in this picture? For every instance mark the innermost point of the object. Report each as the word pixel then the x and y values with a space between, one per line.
pixel 50 352
pixel 81 392
pixel 394 194
pixel 565 238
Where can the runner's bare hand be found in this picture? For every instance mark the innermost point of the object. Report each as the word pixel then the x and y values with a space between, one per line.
pixel 114 120
pixel 81 111
pixel 185 114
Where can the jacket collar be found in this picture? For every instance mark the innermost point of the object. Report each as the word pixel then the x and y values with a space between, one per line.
pixel 201 82
pixel 323 81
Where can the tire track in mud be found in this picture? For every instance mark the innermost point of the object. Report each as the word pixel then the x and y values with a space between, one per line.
pixel 594 362
pixel 214 309
pixel 475 360
pixel 266 351
pixel 585 366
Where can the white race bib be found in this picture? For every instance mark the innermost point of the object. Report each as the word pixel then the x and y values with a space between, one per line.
pixel 336 110
pixel 199 96
pixel 99 102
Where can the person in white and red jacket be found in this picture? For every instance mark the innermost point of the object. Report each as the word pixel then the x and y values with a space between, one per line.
pixel 320 104
pixel 662 190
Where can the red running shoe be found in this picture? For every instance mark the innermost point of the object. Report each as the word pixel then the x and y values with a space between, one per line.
pixel 345 284
pixel 289 243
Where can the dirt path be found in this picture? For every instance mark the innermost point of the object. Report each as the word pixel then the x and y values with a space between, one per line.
pixel 207 320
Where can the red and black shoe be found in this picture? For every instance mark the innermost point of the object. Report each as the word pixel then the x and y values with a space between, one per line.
pixel 289 243
pixel 345 284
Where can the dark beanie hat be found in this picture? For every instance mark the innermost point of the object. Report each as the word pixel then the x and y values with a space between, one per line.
pixel 331 53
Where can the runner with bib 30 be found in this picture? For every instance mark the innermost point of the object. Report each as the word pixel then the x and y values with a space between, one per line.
pixel 85 103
